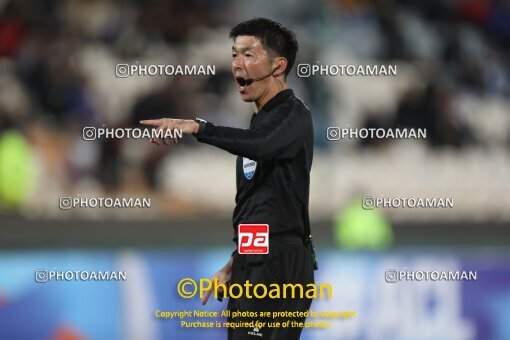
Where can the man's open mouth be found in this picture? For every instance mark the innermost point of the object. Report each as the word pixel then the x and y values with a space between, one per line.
pixel 243 82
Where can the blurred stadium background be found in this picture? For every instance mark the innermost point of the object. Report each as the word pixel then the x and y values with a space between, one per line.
pixel 57 75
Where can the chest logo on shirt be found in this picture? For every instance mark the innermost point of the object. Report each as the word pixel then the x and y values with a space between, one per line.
pixel 249 167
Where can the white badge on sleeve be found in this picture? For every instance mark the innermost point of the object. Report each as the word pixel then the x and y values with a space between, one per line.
pixel 249 167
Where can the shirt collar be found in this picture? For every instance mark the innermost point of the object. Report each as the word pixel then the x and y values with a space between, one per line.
pixel 277 99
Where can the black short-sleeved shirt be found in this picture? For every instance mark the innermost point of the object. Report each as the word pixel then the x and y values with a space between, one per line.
pixel 273 164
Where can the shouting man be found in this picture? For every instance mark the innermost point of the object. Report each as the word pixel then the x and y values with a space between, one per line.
pixel 273 176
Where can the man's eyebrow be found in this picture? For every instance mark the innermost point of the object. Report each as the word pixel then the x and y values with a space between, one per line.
pixel 241 49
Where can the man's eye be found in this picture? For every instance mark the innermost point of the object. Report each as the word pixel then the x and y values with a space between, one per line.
pixel 248 55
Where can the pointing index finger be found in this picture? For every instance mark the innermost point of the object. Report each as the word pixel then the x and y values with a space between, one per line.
pixel 206 297
pixel 153 122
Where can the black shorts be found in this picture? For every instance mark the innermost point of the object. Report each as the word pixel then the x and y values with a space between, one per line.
pixel 288 261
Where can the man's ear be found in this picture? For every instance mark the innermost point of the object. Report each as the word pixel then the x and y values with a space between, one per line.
pixel 281 66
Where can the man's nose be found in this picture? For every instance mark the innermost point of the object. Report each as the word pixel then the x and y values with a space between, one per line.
pixel 237 64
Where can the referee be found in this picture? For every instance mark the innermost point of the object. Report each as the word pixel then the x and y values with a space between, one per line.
pixel 273 174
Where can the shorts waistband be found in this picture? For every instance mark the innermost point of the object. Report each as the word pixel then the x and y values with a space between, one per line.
pixel 288 238
pixel 284 238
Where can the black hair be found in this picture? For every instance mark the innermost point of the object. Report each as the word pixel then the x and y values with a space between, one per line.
pixel 273 37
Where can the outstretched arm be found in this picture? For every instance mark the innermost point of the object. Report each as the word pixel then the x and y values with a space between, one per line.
pixel 279 137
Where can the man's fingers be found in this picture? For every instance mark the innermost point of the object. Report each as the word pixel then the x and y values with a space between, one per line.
pixel 206 297
pixel 163 125
pixel 151 122
pixel 219 290
pixel 221 293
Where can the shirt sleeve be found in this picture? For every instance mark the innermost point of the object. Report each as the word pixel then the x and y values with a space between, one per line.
pixel 280 137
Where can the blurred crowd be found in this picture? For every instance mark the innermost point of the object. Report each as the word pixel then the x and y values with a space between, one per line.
pixel 57 75
pixel 461 51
